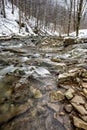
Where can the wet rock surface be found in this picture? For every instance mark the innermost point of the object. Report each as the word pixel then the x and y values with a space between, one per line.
pixel 43 86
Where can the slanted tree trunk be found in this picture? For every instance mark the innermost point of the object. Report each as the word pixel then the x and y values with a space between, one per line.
pixel 3 5
pixel 79 13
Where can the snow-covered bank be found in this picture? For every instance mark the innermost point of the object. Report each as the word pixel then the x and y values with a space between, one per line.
pixel 82 33
pixel 9 25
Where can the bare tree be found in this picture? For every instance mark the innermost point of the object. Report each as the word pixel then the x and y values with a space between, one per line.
pixel 70 14
pixel 74 15
pixel 3 5
pixel 19 15
pixel 79 14
pixel 12 1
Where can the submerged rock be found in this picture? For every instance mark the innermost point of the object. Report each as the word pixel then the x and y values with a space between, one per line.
pixel 53 107
pixel 56 96
pixel 35 93
pixel 13 111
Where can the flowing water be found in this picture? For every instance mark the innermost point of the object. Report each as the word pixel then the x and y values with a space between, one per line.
pixel 28 73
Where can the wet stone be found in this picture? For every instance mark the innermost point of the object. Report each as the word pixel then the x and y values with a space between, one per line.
pixel 86 106
pixel 56 96
pixel 84 79
pixel 55 60
pixel 2 99
pixel 53 107
pixel 78 100
pixel 85 92
pixel 36 93
pixel 69 93
pixel 31 123
pixel 68 108
pixel 13 112
pixel 80 109
pixel 84 118
pixel 79 123
pixel 84 84
pixel 71 75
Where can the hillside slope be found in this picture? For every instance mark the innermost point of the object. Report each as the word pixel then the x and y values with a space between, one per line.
pixel 9 25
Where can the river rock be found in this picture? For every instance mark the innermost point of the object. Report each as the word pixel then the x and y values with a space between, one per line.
pixel 4 108
pixel 86 106
pixel 13 112
pixel 69 41
pixel 80 109
pixel 63 77
pixel 68 108
pixel 56 96
pixel 53 106
pixel 55 59
pixel 69 93
pixel 84 84
pixel 84 118
pixel 84 79
pixel 84 74
pixel 35 93
pixel 79 123
pixel 70 76
pixel 78 100
pixel 85 92
pixel 2 99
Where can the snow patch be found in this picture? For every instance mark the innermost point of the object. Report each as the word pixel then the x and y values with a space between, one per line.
pixel 82 33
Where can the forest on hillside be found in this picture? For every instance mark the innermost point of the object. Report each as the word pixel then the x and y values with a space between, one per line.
pixel 64 16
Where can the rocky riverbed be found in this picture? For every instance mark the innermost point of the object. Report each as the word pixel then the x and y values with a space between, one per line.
pixel 43 85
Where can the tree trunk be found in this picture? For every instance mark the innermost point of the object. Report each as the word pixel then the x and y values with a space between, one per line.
pixel 74 19
pixel 12 6
pixel 79 17
pixel 19 15
pixel 3 5
pixel 25 9
pixel 70 14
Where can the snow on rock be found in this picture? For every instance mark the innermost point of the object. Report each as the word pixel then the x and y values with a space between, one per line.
pixel 8 69
pixel 42 72
pixel 37 71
